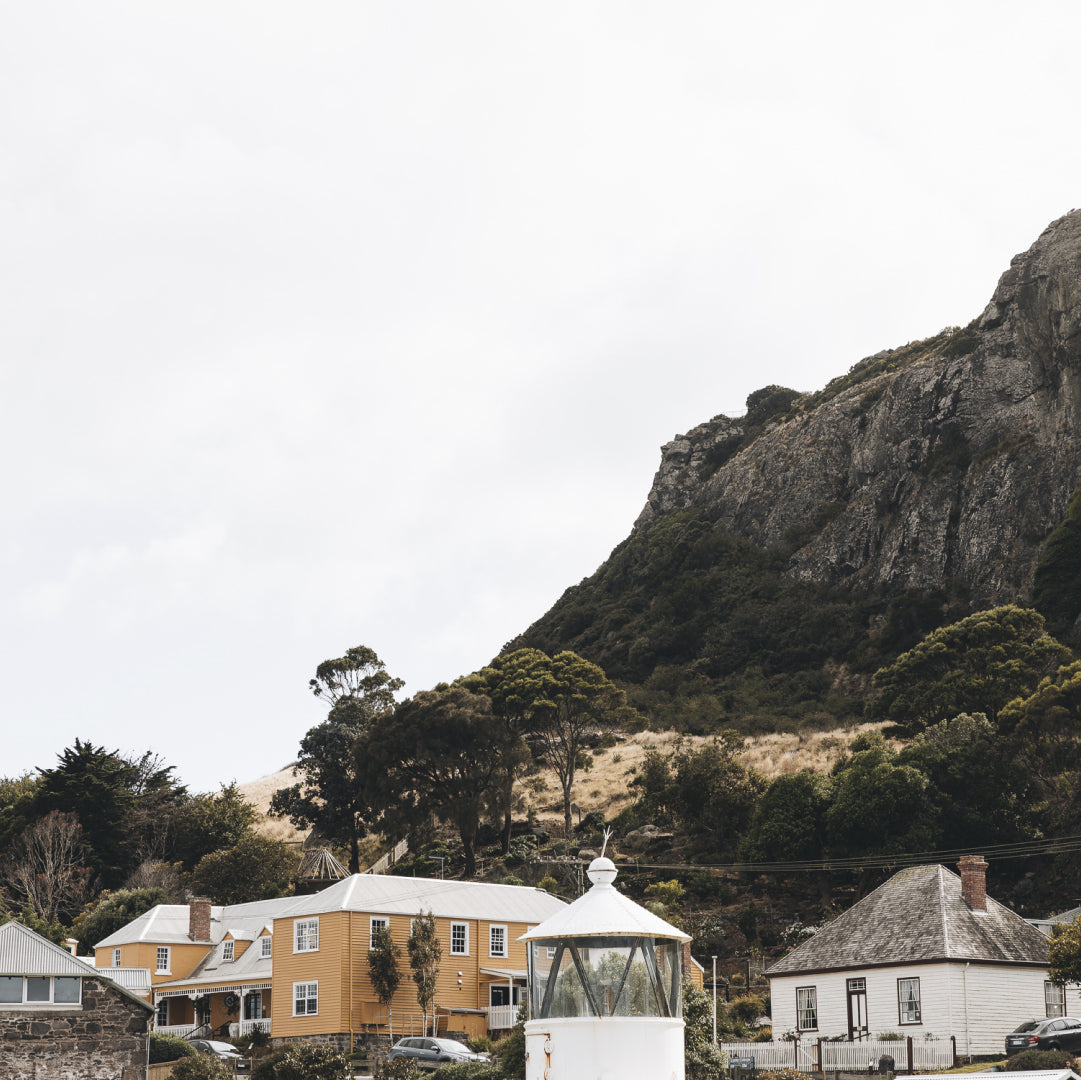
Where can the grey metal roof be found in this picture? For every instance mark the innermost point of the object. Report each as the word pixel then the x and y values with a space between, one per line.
pixel 386 894
pixel 250 966
pixel 22 952
pixel 167 924
pixel 381 894
pixel 917 916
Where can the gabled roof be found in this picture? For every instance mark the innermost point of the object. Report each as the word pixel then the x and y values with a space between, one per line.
pixel 167 924
pixel 917 916
pixel 22 952
pixel 386 894
pixel 250 966
pixel 380 894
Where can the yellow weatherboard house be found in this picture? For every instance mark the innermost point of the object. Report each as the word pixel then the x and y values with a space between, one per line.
pixel 297 967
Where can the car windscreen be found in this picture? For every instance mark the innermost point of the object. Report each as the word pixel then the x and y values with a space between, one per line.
pixel 1028 1025
pixel 455 1046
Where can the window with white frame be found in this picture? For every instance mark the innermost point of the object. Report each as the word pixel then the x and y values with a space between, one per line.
pixel 908 1001
pixel 40 990
pixel 305 999
pixel 227 948
pixel 265 943
pixel 807 1008
pixel 163 959
pixel 374 923
pixel 497 940
pixel 1054 999
pixel 161 1013
pixel 459 939
pixel 116 958
pixel 306 935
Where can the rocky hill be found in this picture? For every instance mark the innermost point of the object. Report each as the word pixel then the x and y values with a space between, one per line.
pixel 821 532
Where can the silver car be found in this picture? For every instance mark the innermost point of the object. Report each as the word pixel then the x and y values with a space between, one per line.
pixel 433 1051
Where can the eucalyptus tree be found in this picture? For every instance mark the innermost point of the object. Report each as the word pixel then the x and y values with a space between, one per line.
pixel 332 794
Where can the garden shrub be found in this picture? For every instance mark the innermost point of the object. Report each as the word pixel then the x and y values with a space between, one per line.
pixel 1029 1060
pixel 169 1048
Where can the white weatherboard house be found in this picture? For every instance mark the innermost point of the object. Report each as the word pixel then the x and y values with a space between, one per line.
pixel 605 989
pixel 927 952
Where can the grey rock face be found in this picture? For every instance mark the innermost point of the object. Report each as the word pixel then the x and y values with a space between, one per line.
pixel 953 466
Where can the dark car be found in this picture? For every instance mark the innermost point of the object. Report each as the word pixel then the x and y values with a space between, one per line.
pixel 223 1051
pixel 433 1051
pixel 1055 1033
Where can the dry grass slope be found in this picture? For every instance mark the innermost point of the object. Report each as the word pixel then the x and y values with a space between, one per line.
pixel 606 786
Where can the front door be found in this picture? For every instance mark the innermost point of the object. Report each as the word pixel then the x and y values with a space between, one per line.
pixel 253 1005
pixel 857 1009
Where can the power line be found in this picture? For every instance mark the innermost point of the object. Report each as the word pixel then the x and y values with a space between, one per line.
pixel 1020 850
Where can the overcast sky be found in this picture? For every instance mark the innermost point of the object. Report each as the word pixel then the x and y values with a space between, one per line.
pixel 329 324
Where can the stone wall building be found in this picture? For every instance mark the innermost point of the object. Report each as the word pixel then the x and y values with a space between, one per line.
pixel 60 1019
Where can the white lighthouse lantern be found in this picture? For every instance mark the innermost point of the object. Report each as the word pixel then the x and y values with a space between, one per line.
pixel 604 990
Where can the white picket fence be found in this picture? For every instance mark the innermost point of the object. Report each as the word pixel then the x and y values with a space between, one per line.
pixel 825 1055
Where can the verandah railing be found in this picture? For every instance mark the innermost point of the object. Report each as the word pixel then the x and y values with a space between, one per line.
pixel 826 1055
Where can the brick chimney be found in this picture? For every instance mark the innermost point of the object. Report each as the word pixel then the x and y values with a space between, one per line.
pixel 199 919
pixel 974 881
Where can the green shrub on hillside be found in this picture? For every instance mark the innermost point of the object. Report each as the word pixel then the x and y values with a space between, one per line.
pixel 1039 1060
pixel 169 1048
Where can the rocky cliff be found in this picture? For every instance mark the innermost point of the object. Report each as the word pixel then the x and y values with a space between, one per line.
pixel 783 555
pixel 947 461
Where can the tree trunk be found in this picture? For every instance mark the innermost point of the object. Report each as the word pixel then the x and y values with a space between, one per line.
pixel 508 794
pixel 567 823
pixel 354 854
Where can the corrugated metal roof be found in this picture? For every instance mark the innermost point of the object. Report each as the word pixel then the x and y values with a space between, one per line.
pixel 604 910
pixel 380 894
pixel 917 916
pixel 1021 1074
pixel 385 894
pixel 22 952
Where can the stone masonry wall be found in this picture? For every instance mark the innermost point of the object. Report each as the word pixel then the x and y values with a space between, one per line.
pixel 104 1040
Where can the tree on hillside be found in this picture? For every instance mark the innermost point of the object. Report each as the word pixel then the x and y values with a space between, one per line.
pixel 425 952
pixel 17 795
pixel 210 822
pixel 868 789
pixel 1049 721
pixel 979 793
pixel 113 911
pixel 1056 587
pixel 47 870
pixel 713 792
pixel 574 699
pixel 975 665
pixel 255 868
pixel 383 971
pixel 332 795
pixel 514 682
pixel 433 755
pixel 360 679
pixel 1064 953
pixel 789 819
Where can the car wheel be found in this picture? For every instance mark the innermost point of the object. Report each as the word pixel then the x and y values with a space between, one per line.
pixel 1053 1046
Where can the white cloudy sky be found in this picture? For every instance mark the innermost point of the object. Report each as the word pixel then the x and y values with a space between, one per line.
pixel 363 322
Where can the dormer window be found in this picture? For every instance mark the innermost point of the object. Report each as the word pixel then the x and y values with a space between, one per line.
pixel 265 943
pixel 227 948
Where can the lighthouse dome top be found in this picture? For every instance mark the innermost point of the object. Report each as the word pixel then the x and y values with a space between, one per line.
pixel 604 911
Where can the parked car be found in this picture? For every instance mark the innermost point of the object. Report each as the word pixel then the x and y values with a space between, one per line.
pixel 434 1051
pixel 223 1051
pixel 1055 1033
